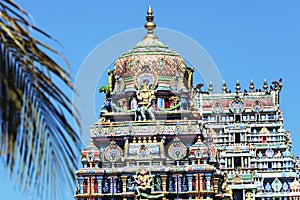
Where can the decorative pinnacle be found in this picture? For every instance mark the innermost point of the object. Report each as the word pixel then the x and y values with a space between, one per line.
pixel 237 86
pixel 150 25
pixel 224 88
pixel 265 85
pixel 210 87
pixel 149 12
pixel 251 86
pixel 91 142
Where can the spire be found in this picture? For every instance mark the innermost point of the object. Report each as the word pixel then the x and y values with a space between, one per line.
pixel 150 25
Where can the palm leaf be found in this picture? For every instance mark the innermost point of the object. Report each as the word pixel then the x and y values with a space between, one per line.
pixel 37 143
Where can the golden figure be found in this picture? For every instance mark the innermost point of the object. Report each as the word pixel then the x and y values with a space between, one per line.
pixel 143 178
pixel 145 96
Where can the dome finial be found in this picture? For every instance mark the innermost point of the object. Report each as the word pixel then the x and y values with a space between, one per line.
pixel 149 11
pixel 150 25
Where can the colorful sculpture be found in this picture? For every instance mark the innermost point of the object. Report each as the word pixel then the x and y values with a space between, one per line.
pixel 145 98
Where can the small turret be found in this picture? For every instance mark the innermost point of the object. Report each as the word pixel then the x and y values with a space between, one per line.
pixel 91 156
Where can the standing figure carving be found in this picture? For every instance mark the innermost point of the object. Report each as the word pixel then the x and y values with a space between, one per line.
pixel 145 98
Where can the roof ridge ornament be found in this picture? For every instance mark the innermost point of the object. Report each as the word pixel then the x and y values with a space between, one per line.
pixel 150 25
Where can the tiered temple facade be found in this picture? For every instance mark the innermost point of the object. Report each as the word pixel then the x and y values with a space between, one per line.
pixel 161 137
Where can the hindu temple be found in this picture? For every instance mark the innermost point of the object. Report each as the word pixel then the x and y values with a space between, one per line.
pixel 161 136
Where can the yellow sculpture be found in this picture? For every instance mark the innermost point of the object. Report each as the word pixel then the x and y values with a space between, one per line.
pixel 143 178
pixel 145 96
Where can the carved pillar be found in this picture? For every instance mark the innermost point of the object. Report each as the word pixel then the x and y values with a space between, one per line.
pixel 179 182
pixel 114 179
pixel 208 176
pixel 249 163
pixel 201 182
pixel 111 185
pixel 216 185
pixel 229 163
pixel 175 178
pixel 242 162
pixel 164 184
pixel 99 180
pixel 190 182
pixel 81 181
pixel 92 185
pixel 197 186
pixel 88 185
pixel 124 183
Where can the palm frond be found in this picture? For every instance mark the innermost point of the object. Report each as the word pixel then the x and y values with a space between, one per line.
pixel 37 143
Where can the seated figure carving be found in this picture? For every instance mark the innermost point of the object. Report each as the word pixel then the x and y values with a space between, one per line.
pixel 143 179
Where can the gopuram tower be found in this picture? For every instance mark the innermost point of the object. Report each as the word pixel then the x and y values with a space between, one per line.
pixel 159 136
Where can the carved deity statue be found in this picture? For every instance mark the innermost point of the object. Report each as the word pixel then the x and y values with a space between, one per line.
pixel 143 178
pixel 145 98
pixel 138 115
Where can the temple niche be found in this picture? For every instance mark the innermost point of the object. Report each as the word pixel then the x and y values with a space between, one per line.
pixel 159 136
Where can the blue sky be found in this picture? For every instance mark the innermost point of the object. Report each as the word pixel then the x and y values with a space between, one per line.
pixel 246 39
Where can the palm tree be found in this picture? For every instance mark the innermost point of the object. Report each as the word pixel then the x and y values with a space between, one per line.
pixel 37 143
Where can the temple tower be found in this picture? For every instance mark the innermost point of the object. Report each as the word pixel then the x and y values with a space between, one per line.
pixel 160 137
